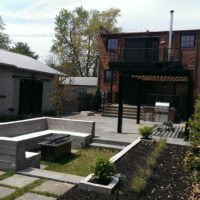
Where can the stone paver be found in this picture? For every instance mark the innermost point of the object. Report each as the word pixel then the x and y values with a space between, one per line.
pixel 2 172
pixel 4 191
pixel 18 180
pixel 106 128
pixel 31 196
pixel 56 176
pixel 54 187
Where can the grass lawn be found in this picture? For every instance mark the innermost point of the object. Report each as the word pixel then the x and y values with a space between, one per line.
pixel 79 163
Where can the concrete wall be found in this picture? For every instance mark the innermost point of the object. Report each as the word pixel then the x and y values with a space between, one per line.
pixel 7 100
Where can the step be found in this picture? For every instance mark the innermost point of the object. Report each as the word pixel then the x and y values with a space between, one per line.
pixel 115 115
pixel 124 113
pixel 109 146
pixel 124 106
pixel 105 141
pixel 124 116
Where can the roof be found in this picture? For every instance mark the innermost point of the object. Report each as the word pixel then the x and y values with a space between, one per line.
pixel 23 62
pixel 147 32
pixel 82 81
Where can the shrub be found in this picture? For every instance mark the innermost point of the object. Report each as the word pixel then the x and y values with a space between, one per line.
pixel 146 131
pixel 192 158
pixel 103 169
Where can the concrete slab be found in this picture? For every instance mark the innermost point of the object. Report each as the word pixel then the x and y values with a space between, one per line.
pixel 106 128
pixel 58 188
pixel 18 180
pixel 50 175
pixel 2 172
pixel 74 150
pixel 42 166
pixel 32 196
pixel 4 191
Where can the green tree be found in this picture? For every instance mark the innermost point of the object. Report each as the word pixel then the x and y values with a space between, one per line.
pixel 4 39
pixel 23 48
pixel 76 37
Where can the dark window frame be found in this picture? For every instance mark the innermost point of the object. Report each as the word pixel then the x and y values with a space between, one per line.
pixel 107 79
pixel 185 46
pixel 115 47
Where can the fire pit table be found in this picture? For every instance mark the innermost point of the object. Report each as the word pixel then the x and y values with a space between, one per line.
pixel 55 147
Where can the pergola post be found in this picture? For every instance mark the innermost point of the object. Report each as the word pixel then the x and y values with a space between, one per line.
pixel 120 109
pixel 190 97
pixel 138 102
pixel 111 86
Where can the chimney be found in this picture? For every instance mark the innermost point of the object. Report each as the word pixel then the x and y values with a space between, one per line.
pixel 170 35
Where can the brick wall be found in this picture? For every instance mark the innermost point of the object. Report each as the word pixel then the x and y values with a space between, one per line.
pixel 190 56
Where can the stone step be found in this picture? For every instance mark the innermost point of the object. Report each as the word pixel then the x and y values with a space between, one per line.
pixel 116 115
pixel 111 142
pixel 124 106
pixel 129 111
pixel 124 112
pixel 126 109
pixel 109 146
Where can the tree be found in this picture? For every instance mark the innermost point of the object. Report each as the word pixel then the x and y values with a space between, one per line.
pixel 4 39
pixel 61 94
pixel 23 48
pixel 76 37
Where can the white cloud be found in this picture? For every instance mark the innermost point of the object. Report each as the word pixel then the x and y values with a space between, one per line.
pixel 136 15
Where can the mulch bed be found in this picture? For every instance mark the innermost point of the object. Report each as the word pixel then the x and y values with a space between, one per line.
pixel 169 180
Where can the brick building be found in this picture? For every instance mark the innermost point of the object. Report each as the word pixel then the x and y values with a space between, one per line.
pixel 138 68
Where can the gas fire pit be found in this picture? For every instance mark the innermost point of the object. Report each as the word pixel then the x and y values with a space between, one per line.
pixel 55 147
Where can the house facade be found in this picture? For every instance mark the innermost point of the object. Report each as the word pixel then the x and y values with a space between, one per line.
pixel 25 85
pixel 139 69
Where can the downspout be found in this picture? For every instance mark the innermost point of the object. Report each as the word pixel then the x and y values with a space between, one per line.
pixel 170 36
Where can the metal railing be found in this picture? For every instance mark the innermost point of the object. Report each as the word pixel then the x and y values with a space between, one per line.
pixel 145 55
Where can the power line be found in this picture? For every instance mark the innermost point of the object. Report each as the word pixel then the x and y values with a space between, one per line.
pixel 32 35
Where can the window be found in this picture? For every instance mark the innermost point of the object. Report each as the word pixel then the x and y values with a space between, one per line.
pixel 188 41
pixel 108 74
pixel 112 43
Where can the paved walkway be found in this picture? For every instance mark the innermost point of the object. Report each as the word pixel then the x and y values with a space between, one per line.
pixel 56 176
pixel 19 182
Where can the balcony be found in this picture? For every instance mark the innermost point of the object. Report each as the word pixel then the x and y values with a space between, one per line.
pixel 146 57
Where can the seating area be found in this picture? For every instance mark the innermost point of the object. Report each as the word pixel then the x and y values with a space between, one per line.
pixel 18 138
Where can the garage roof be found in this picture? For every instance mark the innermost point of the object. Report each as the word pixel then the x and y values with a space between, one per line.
pixel 24 62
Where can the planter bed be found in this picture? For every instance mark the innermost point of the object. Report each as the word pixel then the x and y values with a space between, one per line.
pixel 169 180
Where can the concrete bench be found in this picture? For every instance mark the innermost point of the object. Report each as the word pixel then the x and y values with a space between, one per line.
pixel 14 157
pixel 22 136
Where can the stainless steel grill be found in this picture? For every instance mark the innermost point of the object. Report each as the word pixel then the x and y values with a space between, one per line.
pixel 162 107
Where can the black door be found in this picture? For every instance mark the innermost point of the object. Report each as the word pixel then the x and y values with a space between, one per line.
pixel 152 49
pixel 30 97
pixel 134 49
pixel 141 49
pixel 130 95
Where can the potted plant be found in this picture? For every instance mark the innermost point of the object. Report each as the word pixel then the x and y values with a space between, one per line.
pixel 103 170
pixel 102 179
pixel 146 131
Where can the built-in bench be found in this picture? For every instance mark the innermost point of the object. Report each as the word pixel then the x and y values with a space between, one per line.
pixel 14 157
pixel 20 137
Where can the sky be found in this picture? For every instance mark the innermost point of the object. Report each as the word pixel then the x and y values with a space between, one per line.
pixel 32 21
